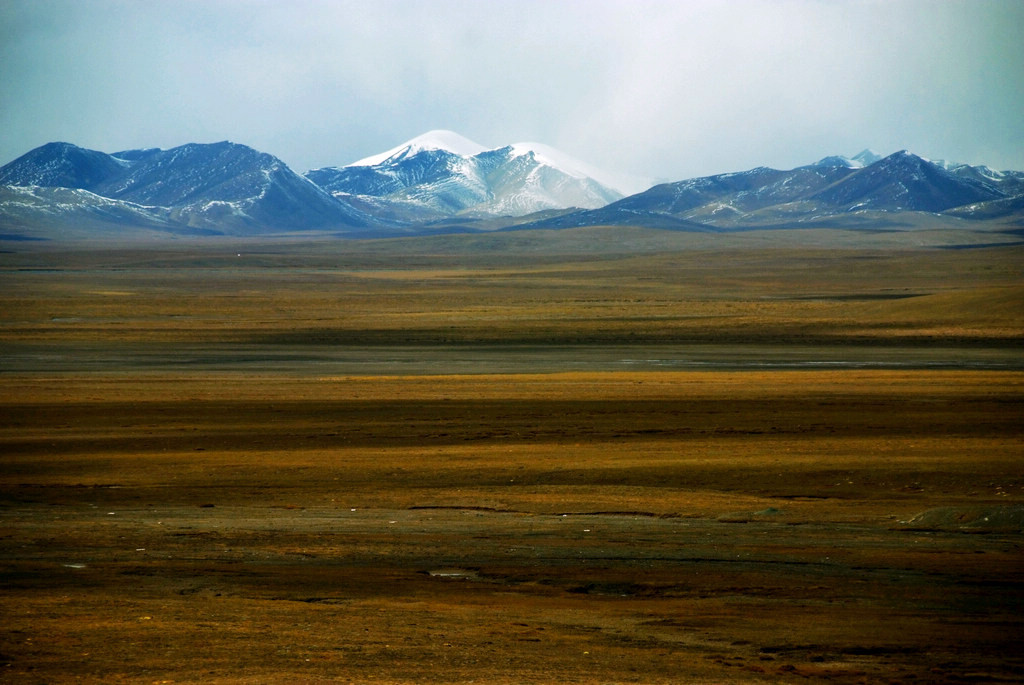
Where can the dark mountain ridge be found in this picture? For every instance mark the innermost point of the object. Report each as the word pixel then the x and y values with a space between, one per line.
pixel 903 181
pixel 62 165
pixel 223 187
pixel 828 191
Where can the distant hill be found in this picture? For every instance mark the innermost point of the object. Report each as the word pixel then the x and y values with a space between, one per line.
pixel 218 188
pixel 833 190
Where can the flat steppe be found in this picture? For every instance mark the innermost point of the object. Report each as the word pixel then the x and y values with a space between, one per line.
pixel 455 460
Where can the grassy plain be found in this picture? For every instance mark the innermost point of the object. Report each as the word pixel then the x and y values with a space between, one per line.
pixel 456 460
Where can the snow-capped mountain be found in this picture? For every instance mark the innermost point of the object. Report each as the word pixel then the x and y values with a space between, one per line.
pixel 834 187
pixel 441 174
pixel 428 177
pixel 903 181
pixel 224 187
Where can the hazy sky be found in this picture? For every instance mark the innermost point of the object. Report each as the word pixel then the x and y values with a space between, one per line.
pixel 669 89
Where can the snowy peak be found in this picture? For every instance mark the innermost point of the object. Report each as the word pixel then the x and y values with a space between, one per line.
pixel 446 141
pixel 441 174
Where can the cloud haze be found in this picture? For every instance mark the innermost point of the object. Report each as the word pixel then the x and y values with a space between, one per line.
pixel 667 89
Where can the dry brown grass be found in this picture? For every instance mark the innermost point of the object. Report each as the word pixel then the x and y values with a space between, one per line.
pixel 760 296
pixel 314 522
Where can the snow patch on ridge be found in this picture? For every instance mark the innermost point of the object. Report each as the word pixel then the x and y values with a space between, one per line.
pixel 545 154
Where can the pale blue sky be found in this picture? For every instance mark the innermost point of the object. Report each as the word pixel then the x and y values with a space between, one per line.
pixel 668 89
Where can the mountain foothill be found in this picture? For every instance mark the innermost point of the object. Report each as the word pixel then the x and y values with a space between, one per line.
pixel 441 182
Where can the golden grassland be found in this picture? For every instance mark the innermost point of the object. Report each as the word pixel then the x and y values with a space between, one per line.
pixel 697 296
pixel 199 519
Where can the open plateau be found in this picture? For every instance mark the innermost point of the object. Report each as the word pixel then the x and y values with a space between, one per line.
pixel 709 444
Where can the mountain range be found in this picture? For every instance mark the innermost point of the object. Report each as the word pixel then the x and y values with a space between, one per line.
pixel 833 191
pixel 442 182
pixel 195 188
